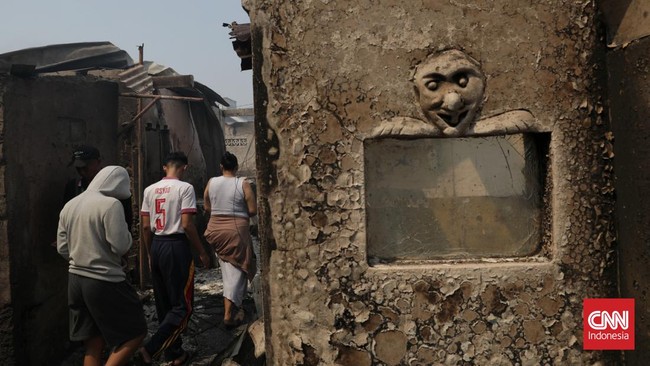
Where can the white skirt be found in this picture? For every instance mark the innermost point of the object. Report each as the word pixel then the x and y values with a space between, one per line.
pixel 235 282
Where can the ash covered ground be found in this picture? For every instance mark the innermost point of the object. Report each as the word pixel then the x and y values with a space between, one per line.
pixel 206 338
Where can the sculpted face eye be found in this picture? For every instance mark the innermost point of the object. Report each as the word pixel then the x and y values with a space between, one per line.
pixel 461 79
pixel 432 81
pixel 431 84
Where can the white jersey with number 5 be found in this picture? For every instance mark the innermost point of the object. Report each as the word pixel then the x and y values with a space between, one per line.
pixel 164 202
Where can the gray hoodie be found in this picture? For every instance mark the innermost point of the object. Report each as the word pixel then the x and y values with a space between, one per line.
pixel 92 234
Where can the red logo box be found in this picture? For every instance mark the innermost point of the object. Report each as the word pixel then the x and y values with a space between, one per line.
pixel 608 324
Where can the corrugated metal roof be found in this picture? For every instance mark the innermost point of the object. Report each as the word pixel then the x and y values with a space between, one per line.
pixel 100 55
pixel 231 120
pixel 137 79
pixel 68 57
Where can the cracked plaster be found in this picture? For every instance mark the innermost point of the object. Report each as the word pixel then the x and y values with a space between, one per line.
pixel 332 71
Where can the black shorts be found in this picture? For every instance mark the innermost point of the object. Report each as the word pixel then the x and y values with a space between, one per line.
pixel 110 309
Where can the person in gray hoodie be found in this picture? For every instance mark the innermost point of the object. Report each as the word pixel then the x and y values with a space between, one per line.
pixel 93 236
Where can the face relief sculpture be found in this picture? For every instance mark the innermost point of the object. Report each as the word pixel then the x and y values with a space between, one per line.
pixel 449 88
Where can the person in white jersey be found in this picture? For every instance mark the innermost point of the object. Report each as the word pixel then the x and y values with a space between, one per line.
pixel 231 202
pixel 167 214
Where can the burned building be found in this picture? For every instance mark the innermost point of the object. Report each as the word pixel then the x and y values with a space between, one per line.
pixel 42 118
pixel 437 178
pixel 53 99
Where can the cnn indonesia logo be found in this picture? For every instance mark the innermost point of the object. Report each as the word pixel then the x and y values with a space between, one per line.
pixel 608 324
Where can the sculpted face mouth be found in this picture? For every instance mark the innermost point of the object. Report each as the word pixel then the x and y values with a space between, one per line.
pixel 453 119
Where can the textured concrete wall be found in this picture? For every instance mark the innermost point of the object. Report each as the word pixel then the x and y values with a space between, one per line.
pixel 629 99
pixel 43 119
pixel 6 310
pixel 629 93
pixel 628 67
pixel 240 140
pixel 326 74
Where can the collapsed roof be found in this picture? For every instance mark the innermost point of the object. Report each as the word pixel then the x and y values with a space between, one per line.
pixel 87 56
pixel 66 57
pixel 241 35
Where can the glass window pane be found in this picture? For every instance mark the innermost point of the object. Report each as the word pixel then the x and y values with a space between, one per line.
pixel 453 198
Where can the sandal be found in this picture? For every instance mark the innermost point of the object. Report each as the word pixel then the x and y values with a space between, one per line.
pixel 238 320
pixel 241 315
pixel 232 325
pixel 187 356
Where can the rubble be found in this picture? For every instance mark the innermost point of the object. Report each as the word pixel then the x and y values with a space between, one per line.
pixel 206 339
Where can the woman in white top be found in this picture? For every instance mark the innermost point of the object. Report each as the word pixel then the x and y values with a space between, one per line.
pixel 231 202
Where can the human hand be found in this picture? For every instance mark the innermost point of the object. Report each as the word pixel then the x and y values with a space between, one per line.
pixel 206 260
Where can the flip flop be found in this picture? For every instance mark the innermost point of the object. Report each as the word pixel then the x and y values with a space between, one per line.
pixel 238 320
pixel 187 356
pixel 240 316
pixel 234 324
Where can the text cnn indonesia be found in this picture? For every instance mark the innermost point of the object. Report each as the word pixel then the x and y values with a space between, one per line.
pixel 608 324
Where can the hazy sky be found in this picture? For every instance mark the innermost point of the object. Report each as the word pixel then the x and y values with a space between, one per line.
pixel 185 35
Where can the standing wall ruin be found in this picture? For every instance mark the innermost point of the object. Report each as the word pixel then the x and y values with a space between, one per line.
pixel 43 120
pixel 333 78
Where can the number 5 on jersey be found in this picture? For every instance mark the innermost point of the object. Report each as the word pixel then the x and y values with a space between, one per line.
pixel 160 214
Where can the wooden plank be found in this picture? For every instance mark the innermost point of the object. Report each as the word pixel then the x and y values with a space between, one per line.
pixel 238 112
pixel 180 81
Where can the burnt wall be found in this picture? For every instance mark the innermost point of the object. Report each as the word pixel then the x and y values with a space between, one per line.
pixel 184 136
pixel 44 118
pixel 628 67
pixel 327 74
pixel 629 90
pixel 6 309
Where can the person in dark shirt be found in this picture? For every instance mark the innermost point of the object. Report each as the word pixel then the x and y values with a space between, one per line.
pixel 88 162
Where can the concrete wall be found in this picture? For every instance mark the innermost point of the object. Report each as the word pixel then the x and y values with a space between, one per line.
pixel 629 101
pixel 44 118
pixel 240 140
pixel 6 309
pixel 628 65
pixel 326 74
